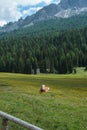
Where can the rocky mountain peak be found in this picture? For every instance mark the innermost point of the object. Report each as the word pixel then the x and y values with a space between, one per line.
pixel 65 9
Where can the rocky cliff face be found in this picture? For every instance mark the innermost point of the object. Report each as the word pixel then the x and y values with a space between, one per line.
pixel 69 8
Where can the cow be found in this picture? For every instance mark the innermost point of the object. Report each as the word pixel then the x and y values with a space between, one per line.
pixel 44 88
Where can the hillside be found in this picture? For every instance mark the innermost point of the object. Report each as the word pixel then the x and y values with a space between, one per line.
pixel 55 45
pixel 50 52
pixel 53 25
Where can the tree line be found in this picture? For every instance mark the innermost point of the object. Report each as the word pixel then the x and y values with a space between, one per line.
pixel 57 52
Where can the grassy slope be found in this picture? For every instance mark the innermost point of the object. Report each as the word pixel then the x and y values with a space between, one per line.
pixel 63 108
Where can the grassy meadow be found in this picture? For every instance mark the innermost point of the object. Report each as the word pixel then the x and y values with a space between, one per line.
pixel 63 108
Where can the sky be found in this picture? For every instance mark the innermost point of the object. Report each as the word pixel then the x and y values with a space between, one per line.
pixel 12 10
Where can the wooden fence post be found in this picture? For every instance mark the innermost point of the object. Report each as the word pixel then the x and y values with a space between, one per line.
pixel 5 124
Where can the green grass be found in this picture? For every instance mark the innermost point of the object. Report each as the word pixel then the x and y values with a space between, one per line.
pixel 63 108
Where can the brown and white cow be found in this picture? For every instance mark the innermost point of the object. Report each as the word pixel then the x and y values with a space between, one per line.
pixel 44 88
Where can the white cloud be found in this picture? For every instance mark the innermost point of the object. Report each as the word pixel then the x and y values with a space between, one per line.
pixel 32 2
pixel 2 22
pixel 9 9
pixel 8 12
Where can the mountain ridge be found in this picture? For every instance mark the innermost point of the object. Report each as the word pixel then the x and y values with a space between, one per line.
pixel 65 9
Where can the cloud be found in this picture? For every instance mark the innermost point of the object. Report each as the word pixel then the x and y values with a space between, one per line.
pixel 32 2
pixel 2 22
pixel 12 10
pixel 56 1
pixel 8 12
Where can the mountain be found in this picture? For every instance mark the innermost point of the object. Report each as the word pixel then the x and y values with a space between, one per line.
pixel 65 9
pixel 69 8
pixel 73 3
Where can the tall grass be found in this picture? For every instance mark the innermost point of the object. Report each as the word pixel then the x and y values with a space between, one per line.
pixel 63 108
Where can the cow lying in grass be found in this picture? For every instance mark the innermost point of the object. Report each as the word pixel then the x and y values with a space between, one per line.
pixel 44 89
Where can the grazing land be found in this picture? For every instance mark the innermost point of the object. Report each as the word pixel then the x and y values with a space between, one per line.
pixel 63 108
